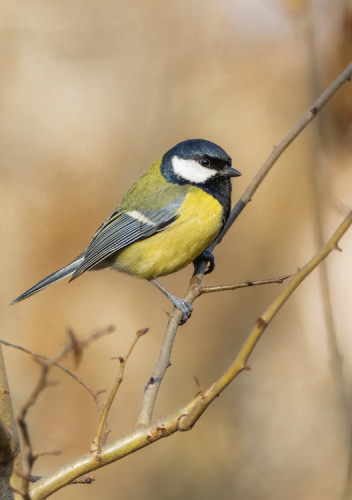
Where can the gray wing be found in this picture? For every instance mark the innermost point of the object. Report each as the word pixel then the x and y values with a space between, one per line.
pixel 122 229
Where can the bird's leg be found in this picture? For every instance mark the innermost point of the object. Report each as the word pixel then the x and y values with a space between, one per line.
pixel 183 305
pixel 209 258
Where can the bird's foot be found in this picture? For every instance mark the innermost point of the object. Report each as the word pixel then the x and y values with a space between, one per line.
pixel 184 306
pixel 209 258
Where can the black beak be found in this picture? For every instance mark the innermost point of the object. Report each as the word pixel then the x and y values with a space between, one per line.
pixel 231 172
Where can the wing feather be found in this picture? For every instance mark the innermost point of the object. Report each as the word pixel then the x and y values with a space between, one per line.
pixel 122 229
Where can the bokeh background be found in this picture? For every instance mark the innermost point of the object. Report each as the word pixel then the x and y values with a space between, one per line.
pixel 91 93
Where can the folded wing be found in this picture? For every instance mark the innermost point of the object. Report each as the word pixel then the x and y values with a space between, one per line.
pixel 122 229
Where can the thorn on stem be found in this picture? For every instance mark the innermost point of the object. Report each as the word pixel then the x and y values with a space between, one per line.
pixel 339 249
pixel 197 383
pixel 84 480
pixel 34 479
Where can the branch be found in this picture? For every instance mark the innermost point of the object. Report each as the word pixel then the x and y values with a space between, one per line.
pixel 240 363
pixel 87 479
pixel 308 116
pixel 100 437
pixel 244 284
pixel 77 345
pixel 185 417
pixel 163 362
pixel 10 453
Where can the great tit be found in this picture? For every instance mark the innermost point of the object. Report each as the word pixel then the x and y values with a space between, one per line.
pixel 167 219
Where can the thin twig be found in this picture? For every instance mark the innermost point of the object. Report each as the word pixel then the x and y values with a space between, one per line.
pixel 27 449
pixel 244 284
pixel 101 434
pixel 76 346
pixel 240 363
pixel 152 388
pixel 72 374
pixel 318 202
pixel 308 116
pixel 185 417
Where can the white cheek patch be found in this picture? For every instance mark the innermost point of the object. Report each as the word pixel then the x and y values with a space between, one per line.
pixel 191 171
pixel 140 217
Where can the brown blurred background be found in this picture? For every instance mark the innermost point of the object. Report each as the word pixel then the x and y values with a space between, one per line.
pixel 91 93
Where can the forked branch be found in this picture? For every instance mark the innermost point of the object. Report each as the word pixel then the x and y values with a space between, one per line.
pixel 185 417
pixel 152 388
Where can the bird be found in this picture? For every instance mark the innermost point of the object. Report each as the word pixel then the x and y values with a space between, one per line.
pixel 165 221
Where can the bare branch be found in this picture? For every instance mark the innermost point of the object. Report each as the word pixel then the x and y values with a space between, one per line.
pixel 82 343
pixel 152 387
pixel 245 284
pixel 10 453
pixel 101 435
pixel 308 116
pixel 240 363
pixel 185 417
pixel 86 479
pixel 76 346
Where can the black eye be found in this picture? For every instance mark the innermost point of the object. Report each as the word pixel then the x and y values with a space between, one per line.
pixel 204 162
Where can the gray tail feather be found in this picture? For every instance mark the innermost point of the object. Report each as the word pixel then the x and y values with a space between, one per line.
pixel 57 276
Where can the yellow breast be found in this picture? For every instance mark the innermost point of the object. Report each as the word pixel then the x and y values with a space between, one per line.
pixel 198 224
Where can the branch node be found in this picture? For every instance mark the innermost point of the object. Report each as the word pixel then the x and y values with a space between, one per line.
pixel 261 322
pixel 142 331
pixel 185 423
pixel 86 479
pixel 162 430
